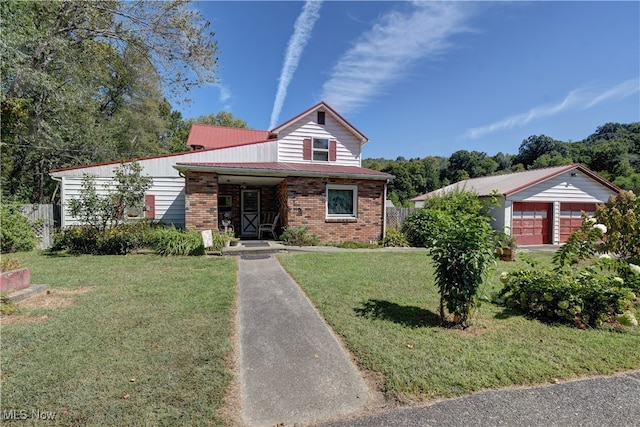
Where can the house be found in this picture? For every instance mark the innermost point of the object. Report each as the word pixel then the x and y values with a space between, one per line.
pixel 540 206
pixel 306 171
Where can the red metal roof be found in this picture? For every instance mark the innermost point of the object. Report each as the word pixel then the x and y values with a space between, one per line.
pixel 209 136
pixel 286 169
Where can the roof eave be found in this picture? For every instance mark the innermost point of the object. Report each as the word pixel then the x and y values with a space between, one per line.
pixel 278 173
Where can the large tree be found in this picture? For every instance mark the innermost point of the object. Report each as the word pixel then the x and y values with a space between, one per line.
pixel 85 82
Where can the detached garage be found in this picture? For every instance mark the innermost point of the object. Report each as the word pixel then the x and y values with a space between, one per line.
pixel 540 206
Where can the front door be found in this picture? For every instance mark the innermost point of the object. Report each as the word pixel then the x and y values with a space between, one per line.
pixel 250 212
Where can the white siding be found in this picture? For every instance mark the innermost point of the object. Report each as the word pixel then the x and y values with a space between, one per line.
pixel 169 200
pixel 163 166
pixel 290 141
pixel 566 188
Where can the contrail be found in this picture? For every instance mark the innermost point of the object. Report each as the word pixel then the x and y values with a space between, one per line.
pixel 576 100
pixel 385 52
pixel 301 34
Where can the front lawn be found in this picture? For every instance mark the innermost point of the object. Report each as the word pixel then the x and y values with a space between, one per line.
pixel 385 307
pixel 122 340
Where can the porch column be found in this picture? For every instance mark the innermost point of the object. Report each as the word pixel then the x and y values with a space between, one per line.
pixel 201 201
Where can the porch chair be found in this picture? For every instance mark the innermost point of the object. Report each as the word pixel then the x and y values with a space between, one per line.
pixel 269 226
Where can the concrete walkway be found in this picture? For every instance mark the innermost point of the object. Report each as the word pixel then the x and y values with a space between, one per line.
pixel 292 368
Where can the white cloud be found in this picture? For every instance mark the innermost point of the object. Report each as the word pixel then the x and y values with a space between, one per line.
pixel 383 54
pixel 301 35
pixel 578 99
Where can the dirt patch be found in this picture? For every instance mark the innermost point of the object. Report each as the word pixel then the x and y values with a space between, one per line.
pixel 51 299
pixel 13 319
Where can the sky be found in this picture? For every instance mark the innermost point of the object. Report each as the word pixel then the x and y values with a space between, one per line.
pixel 423 78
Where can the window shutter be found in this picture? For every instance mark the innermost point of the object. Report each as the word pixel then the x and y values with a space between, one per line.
pixel 306 149
pixel 332 150
pixel 150 206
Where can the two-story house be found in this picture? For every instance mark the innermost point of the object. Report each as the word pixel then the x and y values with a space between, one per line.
pixel 306 171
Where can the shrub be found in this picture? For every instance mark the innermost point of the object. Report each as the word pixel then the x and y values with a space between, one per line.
pixel 173 241
pixel 118 240
pixel 7 306
pixel 582 300
pixel 395 238
pixel 8 264
pixel 422 226
pixel 299 236
pixel 621 216
pixel 17 233
pixel 462 252
pixel 580 289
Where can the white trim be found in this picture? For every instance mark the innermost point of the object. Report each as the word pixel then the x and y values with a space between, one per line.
pixel 353 188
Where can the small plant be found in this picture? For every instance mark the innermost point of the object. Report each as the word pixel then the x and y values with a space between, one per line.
pixel 8 264
pixel 395 238
pixel 7 306
pixel 299 236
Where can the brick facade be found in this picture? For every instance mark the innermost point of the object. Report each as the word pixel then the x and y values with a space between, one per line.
pixel 300 201
pixel 306 207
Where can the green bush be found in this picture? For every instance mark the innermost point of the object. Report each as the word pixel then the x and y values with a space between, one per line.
pixel 395 238
pixel 17 233
pixel 299 236
pixel 581 289
pixel 583 300
pixel 118 240
pixel 421 227
pixel 462 252
pixel 173 241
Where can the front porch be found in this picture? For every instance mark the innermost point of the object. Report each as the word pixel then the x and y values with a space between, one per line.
pixel 241 197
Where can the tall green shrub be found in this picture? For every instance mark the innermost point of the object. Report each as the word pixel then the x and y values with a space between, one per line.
pixel 17 233
pixel 456 227
pixel 462 251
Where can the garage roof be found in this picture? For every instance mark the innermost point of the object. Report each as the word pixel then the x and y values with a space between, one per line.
pixel 508 184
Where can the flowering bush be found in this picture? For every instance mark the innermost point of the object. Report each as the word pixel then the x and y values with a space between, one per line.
pixel 583 288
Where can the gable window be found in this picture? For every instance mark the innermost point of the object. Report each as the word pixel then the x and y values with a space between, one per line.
pixel 321 149
pixel 342 201
pixel 321 117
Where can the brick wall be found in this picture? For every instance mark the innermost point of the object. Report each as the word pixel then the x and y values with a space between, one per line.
pixel 201 201
pixel 306 207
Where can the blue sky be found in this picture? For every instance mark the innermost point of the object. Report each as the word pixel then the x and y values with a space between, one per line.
pixel 429 78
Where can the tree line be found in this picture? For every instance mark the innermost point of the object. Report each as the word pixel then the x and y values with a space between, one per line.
pixel 613 151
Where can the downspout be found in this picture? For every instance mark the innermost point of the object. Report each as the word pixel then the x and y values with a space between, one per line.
pixel 384 211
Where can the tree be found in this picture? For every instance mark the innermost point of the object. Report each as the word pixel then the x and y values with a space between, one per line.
pixel 102 211
pixel 537 145
pixel 82 82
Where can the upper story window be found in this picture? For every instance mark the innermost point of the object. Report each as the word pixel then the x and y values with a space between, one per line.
pixel 321 118
pixel 321 149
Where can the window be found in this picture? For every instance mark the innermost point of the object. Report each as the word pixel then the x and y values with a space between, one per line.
pixel 321 117
pixel 321 149
pixel 342 201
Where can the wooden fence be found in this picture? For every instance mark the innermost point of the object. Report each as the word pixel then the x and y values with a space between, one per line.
pixel 397 216
pixel 44 219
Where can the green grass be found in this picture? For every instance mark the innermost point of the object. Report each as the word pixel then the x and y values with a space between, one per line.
pixel 146 344
pixel 385 307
